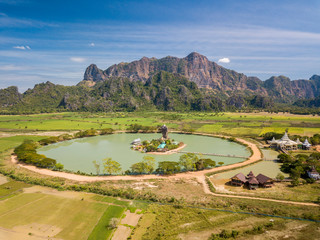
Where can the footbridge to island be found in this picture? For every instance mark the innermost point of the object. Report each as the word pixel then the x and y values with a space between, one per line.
pixel 215 154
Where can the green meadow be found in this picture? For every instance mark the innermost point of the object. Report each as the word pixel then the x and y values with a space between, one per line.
pixel 237 124
pixel 7 143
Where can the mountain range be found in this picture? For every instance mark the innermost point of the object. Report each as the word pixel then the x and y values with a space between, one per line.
pixel 170 83
pixel 207 74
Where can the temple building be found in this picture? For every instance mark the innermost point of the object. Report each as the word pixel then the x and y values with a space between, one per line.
pixel 306 145
pixel 284 143
pixel 313 174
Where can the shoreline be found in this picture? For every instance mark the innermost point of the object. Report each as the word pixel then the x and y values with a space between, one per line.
pixel 256 156
pixel 168 152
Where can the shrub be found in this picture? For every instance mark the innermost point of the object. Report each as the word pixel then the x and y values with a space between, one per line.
pixel 106 131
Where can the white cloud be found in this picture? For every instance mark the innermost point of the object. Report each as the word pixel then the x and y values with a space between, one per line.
pixel 11 68
pixel 3 14
pixel 20 47
pixel 92 44
pixel 224 60
pixel 77 59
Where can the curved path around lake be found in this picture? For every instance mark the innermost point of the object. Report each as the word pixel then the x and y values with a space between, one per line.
pixel 199 175
pixel 256 156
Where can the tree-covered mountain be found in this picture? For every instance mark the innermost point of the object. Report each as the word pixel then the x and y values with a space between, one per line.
pixel 167 84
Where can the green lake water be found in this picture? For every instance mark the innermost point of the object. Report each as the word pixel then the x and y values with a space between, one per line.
pixel 268 168
pixel 78 154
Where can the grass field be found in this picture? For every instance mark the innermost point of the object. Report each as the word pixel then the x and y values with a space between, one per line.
pixel 11 188
pixel 240 124
pixel 81 216
pixel 75 219
pixel 102 230
pixel 170 222
pixel 7 143
pixel 43 212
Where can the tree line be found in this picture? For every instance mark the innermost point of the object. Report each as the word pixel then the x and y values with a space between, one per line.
pixel 187 162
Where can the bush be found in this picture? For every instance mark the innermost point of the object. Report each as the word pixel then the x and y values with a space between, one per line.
pixel 106 131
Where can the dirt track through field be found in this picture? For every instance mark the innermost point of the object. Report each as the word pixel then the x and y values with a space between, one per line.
pixel 207 191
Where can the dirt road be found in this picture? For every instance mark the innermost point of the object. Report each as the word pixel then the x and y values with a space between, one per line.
pixel 253 158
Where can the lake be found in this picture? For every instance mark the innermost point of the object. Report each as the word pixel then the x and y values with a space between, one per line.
pixel 78 154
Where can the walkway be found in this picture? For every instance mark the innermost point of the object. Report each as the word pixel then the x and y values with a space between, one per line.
pixel 199 175
pixel 256 156
pixel 207 191
pixel 215 154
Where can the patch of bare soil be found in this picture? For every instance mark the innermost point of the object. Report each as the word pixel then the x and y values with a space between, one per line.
pixel 131 219
pixel 290 231
pixel 41 230
pixel 50 191
pixel 122 233
pixel 33 231
pixel 143 185
pixel 3 179
pixel 238 225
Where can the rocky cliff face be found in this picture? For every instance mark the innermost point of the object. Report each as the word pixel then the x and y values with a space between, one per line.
pixel 195 67
pixel 9 96
pixel 209 75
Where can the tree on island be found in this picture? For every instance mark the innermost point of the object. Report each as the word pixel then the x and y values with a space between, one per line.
pixel 96 166
pixel 111 166
pixel 188 161
pixel 146 166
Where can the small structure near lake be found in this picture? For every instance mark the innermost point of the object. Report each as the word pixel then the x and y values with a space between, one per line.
pixel 306 145
pixel 313 173
pixel 136 141
pixel 164 131
pixel 251 181
pixel 162 145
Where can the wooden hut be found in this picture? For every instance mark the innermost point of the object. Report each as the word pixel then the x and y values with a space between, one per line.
pixel 238 180
pixel 264 181
pixel 253 183
pixel 250 175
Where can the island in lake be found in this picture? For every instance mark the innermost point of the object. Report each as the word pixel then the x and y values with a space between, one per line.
pixel 161 145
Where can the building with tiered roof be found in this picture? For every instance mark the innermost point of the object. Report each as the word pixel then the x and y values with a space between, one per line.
pixel 285 143
pixel 306 145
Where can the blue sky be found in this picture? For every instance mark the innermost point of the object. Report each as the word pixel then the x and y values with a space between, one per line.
pixel 46 40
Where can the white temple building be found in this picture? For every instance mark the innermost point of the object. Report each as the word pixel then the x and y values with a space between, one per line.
pixel 285 143
pixel 306 145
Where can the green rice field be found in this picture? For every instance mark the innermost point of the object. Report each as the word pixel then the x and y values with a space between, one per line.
pixel 240 124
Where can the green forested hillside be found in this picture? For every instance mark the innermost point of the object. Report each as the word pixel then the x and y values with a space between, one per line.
pixel 163 91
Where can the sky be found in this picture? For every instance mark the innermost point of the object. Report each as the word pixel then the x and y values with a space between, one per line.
pixel 55 40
